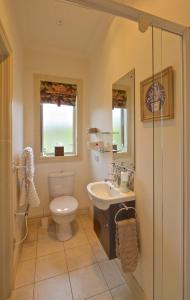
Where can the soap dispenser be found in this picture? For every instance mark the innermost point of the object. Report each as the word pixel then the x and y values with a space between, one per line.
pixel 124 182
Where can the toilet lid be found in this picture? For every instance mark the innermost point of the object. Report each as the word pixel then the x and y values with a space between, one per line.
pixel 63 205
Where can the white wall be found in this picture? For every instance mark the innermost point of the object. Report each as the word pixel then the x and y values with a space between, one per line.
pixel 123 49
pixel 8 21
pixel 48 62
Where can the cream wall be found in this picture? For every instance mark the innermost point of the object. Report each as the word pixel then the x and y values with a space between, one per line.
pixel 8 21
pixel 176 10
pixel 123 49
pixel 118 54
pixel 168 176
pixel 52 62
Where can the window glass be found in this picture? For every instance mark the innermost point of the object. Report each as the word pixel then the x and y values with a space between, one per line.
pixel 58 128
pixel 119 121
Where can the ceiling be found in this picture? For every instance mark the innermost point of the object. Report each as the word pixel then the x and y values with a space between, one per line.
pixel 57 24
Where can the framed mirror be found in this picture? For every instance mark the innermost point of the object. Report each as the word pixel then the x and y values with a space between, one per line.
pixel 123 118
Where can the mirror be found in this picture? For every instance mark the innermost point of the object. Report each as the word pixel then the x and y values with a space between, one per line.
pixel 123 118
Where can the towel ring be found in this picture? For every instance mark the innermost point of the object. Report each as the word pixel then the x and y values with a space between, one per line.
pixel 125 207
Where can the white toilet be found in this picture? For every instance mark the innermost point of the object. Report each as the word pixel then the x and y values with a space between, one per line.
pixel 63 206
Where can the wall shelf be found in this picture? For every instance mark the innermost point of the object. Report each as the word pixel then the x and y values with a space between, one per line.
pixel 108 132
pixel 103 132
pixel 101 151
pixel 101 141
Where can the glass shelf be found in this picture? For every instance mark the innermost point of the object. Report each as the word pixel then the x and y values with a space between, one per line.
pixel 103 132
pixel 108 132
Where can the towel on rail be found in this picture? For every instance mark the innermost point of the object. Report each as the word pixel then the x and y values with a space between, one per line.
pixel 127 244
pixel 28 189
pixel 22 181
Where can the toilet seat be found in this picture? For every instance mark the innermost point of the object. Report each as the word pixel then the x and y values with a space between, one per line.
pixel 63 205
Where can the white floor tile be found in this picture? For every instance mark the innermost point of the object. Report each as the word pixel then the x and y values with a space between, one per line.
pixel 50 265
pixel 79 257
pixel 98 251
pixel 47 233
pixel 118 264
pixel 91 235
pixel 28 251
pixel 78 239
pixel 48 246
pixel 24 293
pixel 104 296
pixel 25 273
pixel 32 232
pixel 111 273
pixel 86 221
pixel 122 293
pixel 76 226
pixel 57 288
pixel 87 282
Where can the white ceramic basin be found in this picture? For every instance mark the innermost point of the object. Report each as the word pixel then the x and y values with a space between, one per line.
pixel 103 194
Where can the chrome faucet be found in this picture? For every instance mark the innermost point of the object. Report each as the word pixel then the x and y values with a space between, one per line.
pixel 113 179
pixel 121 167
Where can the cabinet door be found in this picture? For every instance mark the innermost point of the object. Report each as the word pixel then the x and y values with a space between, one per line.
pixel 101 227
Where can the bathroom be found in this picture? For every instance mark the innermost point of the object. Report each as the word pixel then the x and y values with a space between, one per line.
pixel 101 49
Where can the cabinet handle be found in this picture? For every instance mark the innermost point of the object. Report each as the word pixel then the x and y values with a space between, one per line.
pixel 106 225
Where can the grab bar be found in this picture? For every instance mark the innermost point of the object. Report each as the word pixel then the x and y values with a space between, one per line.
pixel 16 167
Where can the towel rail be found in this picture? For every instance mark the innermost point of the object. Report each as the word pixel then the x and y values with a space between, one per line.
pixel 125 207
pixel 16 167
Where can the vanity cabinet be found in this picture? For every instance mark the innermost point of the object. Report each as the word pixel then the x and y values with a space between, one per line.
pixel 105 227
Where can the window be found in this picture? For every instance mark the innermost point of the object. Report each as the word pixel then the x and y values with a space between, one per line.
pixel 58 106
pixel 119 123
pixel 58 122
pixel 119 120
pixel 58 128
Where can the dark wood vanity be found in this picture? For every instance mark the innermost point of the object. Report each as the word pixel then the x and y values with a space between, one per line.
pixel 105 228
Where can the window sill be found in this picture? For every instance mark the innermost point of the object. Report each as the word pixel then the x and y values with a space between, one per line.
pixel 54 159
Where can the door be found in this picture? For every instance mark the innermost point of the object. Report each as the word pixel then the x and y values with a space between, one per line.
pixel 6 215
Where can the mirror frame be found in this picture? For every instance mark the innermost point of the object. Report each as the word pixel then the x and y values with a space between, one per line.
pixel 129 156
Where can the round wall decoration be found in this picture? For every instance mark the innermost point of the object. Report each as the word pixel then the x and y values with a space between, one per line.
pixel 155 97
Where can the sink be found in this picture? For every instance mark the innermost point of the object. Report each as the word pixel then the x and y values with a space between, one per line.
pixel 103 194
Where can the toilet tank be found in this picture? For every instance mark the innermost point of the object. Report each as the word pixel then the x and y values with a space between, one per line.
pixel 60 184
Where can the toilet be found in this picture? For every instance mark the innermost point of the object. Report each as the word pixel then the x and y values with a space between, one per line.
pixel 63 206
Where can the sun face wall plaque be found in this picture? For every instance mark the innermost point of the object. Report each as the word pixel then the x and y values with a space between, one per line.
pixel 157 99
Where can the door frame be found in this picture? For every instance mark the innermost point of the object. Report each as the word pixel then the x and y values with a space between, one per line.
pixel 6 210
pixel 186 211
pixel 6 219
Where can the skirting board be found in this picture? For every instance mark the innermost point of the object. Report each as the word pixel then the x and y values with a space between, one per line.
pixel 82 211
pixel 135 287
pixel 132 283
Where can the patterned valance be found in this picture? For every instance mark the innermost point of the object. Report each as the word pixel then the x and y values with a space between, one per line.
pixel 119 98
pixel 58 93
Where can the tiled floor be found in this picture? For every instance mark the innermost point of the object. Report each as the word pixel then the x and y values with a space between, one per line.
pixel 74 270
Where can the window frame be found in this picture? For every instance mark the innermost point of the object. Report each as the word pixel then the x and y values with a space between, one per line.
pixel 38 115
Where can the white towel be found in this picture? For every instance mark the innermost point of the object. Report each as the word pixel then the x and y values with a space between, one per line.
pixel 28 191
pixel 22 181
